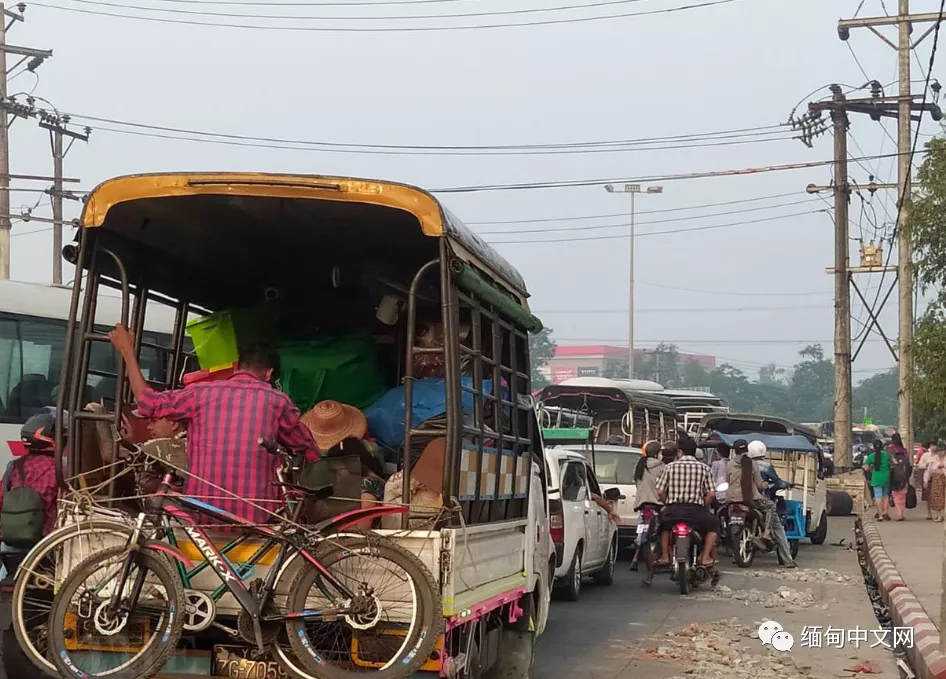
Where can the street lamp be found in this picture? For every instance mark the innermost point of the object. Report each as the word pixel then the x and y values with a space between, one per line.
pixel 632 189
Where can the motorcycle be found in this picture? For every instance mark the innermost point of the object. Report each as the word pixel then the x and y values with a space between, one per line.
pixel 686 548
pixel 649 525
pixel 746 528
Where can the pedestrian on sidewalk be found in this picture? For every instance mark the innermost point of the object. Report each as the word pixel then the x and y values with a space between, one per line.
pixel 935 479
pixel 900 471
pixel 919 474
pixel 878 465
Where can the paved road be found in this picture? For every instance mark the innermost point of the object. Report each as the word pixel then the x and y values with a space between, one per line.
pixel 621 631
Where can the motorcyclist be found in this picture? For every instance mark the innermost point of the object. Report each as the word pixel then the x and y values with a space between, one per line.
pixel 757 452
pixel 646 473
pixel 746 486
pixel 686 489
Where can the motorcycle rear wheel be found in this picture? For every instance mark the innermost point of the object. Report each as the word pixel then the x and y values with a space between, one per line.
pixel 683 577
pixel 743 550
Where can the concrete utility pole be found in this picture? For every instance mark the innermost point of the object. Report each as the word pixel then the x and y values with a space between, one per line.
pixel 904 106
pixel 904 244
pixel 843 419
pixel 632 189
pixel 36 58
pixel 56 124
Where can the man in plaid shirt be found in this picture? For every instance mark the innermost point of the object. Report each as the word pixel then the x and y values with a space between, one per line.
pixel 225 421
pixel 686 489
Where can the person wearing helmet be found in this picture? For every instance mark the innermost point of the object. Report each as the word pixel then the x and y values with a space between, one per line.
pixel 29 492
pixel 757 451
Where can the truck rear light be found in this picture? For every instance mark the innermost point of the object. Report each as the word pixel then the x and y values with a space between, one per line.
pixel 556 521
pixel 681 530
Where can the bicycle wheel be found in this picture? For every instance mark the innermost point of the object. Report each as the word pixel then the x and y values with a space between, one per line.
pixel 88 640
pixel 40 575
pixel 391 627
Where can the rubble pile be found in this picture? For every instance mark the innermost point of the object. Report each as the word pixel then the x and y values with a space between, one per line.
pixel 783 597
pixel 718 650
pixel 813 575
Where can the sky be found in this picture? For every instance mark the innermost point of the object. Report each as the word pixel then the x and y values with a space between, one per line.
pixel 750 293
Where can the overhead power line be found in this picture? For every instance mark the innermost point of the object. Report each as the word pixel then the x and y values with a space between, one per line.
pixel 806 307
pixel 382 29
pixel 359 17
pixel 595 227
pixel 569 183
pixel 659 233
pixel 734 294
pixel 541 220
pixel 389 148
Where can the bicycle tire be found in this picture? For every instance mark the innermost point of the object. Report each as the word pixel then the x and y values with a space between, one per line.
pixel 420 640
pixel 149 664
pixel 42 550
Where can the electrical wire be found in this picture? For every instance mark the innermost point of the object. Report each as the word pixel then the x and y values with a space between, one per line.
pixel 900 197
pixel 396 17
pixel 385 29
pixel 695 310
pixel 639 212
pixel 734 294
pixel 642 180
pixel 713 141
pixel 644 223
pixel 658 233
pixel 388 148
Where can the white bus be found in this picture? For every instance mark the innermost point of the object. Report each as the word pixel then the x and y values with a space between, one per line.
pixel 32 334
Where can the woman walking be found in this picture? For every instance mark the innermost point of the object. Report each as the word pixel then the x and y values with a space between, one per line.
pixel 900 471
pixel 878 465
pixel 935 479
pixel 919 476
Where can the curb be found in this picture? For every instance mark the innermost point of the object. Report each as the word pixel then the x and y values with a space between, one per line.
pixel 905 609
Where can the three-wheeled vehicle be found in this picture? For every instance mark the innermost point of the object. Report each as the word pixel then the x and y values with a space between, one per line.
pixel 794 453
pixel 441 323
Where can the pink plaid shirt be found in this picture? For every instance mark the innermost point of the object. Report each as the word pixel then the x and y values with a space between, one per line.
pixel 225 420
pixel 39 473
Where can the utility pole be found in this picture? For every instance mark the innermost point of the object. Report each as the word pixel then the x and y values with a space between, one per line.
pixel 843 419
pixel 904 244
pixel 57 126
pixel 38 56
pixel 905 106
pixel 632 189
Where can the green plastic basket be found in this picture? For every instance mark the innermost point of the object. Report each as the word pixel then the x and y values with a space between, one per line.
pixel 217 337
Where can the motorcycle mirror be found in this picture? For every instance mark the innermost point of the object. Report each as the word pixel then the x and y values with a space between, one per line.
pixel 722 488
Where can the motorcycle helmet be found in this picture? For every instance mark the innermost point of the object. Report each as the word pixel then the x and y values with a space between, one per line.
pixel 39 433
pixel 757 450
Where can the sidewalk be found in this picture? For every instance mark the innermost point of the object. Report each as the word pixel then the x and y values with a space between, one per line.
pixel 906 559
pixel 916 548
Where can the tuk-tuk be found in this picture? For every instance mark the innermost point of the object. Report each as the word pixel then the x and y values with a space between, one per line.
pixel 795 455
pixel 441 324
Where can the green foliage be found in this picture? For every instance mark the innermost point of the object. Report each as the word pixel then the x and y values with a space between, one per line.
pixel 541 351
pixel 927 219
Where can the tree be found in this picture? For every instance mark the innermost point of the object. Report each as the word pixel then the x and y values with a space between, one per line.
pixel 771 374
pixel 541 351
pixel 876 397
pixel 925 224
pixel 693 375
pixel 812 387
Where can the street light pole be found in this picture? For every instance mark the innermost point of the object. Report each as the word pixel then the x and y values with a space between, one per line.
pixel 632 189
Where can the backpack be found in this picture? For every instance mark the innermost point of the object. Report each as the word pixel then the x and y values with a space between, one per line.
pixel 898 474
pixel 23 514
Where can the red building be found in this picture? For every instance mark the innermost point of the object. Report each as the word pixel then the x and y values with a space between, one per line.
pixel 600 360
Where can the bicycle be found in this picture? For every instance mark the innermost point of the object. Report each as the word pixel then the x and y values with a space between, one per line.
pixel 141 620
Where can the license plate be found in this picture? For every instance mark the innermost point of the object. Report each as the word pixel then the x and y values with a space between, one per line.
pixel 641 528
pixel 737 519
pixel 235 662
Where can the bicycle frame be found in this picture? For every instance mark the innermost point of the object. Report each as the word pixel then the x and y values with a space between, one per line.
pixel 172 504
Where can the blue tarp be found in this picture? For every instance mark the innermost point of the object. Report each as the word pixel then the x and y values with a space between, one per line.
pixel 774 442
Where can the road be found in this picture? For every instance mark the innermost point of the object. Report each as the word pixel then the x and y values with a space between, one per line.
pixel 626 631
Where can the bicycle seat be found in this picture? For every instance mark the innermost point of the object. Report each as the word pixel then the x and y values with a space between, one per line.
pixel 322 493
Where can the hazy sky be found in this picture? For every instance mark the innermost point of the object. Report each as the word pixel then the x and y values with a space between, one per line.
pixel 749 293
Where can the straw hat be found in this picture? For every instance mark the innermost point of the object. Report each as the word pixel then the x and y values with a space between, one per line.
pixel 331 422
